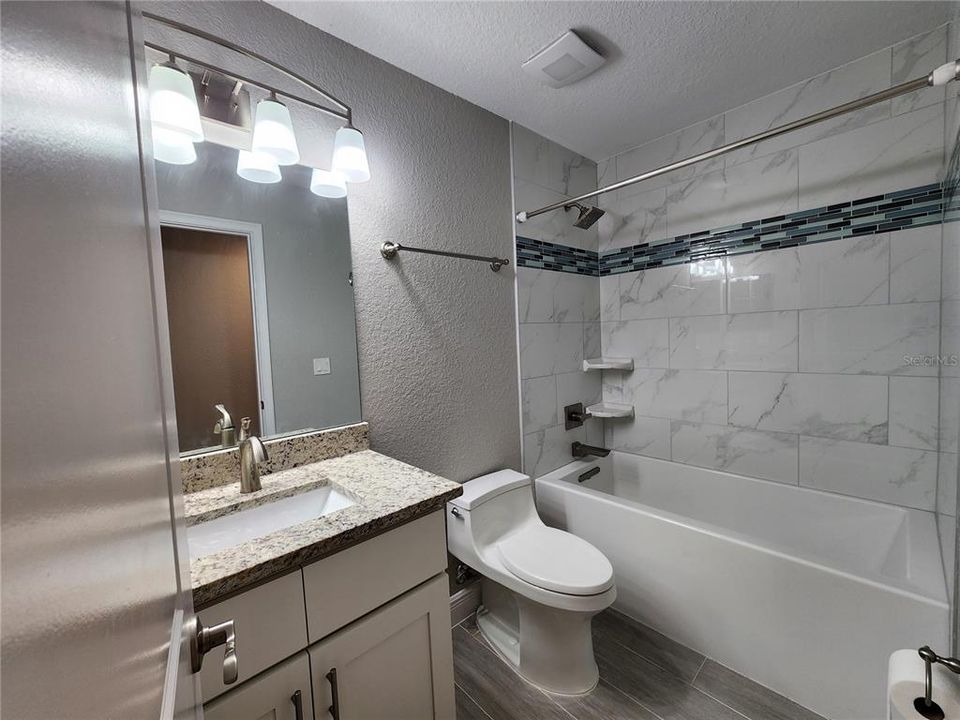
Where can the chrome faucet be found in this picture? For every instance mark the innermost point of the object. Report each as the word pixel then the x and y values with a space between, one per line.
pixel 581 451
pixel 224 427
pixel 252 453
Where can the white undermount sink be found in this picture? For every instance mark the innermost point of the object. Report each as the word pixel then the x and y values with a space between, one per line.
pixel 214 535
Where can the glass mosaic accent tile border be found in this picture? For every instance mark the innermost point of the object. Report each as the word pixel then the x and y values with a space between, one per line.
pixel 900 210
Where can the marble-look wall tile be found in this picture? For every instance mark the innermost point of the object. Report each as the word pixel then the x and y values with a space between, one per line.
pixel 607 175
pixel 949 359
pixel 950 270
pixel 694 395
pixel 550 348
pixel 550 165
pixel 646 341
pixel 751 341
pixel 539 403
pixel 691 289
pixel 771 456
pixel 577 387
pixel 841 273
pixel 915 264
pixel 871 340
pixel 759 188
pixel 633 220
pixel 555 227
pixel 914 406
pixel 843 407
pixel 861 77
pixel 949 414
pixel 947 484
pixel 591 340
pixel 547 296
pixel 546 450
pixel 876 472
pixel 679 145
pixel 904 151
pixel 610 298
pixel 914 58
pixel 640 436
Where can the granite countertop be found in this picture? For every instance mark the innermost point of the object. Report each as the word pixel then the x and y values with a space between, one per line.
pixel 387 493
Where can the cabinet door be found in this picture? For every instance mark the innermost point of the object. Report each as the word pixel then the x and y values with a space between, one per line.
pixel 394 664
pixel 270 696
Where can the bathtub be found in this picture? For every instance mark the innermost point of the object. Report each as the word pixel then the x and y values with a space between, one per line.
pixel 803 591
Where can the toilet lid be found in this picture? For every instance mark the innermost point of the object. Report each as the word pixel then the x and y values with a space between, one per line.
pixel 556 560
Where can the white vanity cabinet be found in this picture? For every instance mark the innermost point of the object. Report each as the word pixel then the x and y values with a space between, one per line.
pixel 281 693
pixel 369 624
pixel 396 663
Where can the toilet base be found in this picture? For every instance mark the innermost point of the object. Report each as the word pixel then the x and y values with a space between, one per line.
pixel 547 647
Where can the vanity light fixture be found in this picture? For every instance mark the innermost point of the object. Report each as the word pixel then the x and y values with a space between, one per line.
pixel 350 155
pixel 174 108
pixel 273 132
pixel 173 147
pixel 174 113
pixel 258 167
pixel 328 184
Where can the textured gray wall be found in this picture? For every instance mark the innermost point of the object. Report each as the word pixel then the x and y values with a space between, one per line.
pixel 306 248
pixel 437 336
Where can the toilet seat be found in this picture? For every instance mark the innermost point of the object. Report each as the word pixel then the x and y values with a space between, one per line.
pixel 556 560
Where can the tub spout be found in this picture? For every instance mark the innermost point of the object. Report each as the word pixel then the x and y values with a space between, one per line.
pixel 581 451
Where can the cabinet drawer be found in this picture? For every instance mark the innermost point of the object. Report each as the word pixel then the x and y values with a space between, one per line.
pixel 345 586
pixel 270 623
pixel 271 695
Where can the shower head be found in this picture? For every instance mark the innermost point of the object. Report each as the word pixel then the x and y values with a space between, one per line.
pixel 587 216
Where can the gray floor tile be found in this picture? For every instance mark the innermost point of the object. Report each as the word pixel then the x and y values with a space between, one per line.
pixel 742 694
pixel 467 709
pixel 656 689
pixel 604 703
pixel 679 660
pixel 495 687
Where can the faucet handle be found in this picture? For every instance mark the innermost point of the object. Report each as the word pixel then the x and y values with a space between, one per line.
pixel 244 428
pixel 260 453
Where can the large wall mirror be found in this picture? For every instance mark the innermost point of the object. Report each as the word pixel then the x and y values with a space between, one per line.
pixel 259 299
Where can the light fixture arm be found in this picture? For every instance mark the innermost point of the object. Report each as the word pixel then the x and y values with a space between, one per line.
pixel 345 113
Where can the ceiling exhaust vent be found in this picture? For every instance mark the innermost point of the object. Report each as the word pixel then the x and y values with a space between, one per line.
pixel 564 61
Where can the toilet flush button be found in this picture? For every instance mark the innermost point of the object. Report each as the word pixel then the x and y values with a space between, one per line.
pixel 321 366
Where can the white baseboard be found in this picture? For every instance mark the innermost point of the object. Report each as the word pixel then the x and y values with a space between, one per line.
pixel 464 602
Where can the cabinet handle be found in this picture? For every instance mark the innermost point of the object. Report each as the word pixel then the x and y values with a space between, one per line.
pixel 334 694
pixel 297 700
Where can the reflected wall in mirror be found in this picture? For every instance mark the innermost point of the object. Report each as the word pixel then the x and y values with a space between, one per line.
pixel 259 300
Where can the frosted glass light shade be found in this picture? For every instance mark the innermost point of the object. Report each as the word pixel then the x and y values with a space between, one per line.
pixel 173 103
pixel 327 184
pixel 173 147
pixel 258 167
pixel 273 133
pixel 350 156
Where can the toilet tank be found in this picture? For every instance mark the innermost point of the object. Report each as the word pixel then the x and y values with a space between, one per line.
pixel 491 506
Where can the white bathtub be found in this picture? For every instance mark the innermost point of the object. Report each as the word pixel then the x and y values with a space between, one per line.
pixel 803 591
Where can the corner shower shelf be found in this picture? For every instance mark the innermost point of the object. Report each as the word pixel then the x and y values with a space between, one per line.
pixel 607 363
pixel 610 410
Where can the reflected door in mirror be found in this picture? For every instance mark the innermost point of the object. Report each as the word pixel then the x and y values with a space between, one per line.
pixel 212 335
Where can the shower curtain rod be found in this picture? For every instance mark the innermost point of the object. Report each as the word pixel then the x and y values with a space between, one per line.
pixel 940 76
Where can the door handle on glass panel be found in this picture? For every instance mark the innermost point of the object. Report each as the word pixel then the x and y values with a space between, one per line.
pixel 203 640
pixel 297 700
pixel 334 708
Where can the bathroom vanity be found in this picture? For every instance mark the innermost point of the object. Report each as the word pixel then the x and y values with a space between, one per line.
pixel 342 615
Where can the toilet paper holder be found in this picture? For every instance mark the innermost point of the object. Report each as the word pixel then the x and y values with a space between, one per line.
pixel 925 705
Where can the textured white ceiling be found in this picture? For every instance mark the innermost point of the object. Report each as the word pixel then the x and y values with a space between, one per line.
pixel 671 64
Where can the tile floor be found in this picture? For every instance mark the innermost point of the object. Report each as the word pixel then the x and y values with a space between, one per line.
pixel 643 676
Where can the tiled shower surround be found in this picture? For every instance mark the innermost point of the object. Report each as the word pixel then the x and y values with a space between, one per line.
pixel 811 359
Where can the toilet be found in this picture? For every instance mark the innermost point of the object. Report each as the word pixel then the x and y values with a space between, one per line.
pixel 541 586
